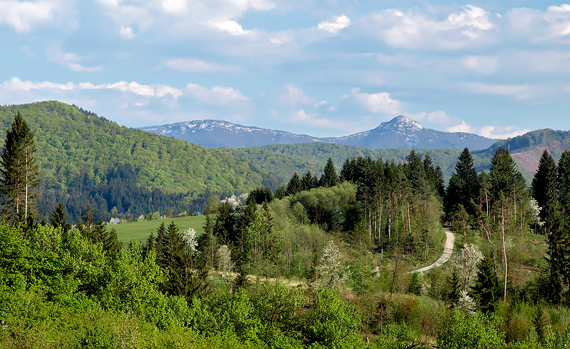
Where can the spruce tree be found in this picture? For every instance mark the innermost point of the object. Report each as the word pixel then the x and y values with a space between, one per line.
pixel 544 184
pixel 309 181
pixel 19 175
pixel 463 185
pixel 486 289
pixel 58 218
pixel 564 181
pixel 294 186
pixel 329 177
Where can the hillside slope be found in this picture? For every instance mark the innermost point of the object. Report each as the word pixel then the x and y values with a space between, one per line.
pixel 285 159
pixel 73 144
pixel 527 149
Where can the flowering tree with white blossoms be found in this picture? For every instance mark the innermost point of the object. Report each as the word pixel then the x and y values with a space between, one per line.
pixel 331 270
pixel 467 261
pixel 189 237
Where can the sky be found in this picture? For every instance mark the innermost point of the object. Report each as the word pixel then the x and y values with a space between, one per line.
pixel 321 67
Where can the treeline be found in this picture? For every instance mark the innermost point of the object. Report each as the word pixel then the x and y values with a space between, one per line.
pixel 396 207
pixel 116 195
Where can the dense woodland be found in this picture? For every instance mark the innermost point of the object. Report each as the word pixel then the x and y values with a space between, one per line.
pixel 322 261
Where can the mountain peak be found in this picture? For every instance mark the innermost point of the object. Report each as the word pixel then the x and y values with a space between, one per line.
pixel 402 121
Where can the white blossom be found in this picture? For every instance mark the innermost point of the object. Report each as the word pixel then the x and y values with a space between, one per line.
pixel 189 237
pixel 331 270
pixel 467 261
pixel 225 259
pixel 466 303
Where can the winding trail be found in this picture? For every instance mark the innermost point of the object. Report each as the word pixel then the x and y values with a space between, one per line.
pixel 447 251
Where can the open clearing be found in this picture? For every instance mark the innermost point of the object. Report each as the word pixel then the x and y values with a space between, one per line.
pixel 139 231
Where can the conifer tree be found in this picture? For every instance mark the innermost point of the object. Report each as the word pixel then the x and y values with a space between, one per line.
pixel 58 218
pixel 309 181
pixel 294 186
pixel 544 184
pixel 486 289
pixel 19 175
pixel 564 182
pixel 463 185
pixel 329 177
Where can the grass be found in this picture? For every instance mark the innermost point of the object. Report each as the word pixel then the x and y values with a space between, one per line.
pixel 139 231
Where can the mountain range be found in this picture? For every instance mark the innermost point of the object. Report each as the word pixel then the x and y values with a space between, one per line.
pixel 401 132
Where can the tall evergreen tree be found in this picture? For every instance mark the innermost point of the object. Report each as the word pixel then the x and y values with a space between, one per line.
pixel 463 185
pixel 329 177
pixel 544 184
pixel 19 171
pixel 309 181
pixel 564 182
pixel 294 186
pixel 486 289
pixel 58 218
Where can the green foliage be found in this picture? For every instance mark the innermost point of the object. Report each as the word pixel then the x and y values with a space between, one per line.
pixel 461 330
pixel 544 184
pixel 334 322
pixel 329 177
pixel 77 146
pixel 486 288
pixel 19 175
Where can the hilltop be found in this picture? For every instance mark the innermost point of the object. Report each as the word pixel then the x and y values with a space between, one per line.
pixel 77 149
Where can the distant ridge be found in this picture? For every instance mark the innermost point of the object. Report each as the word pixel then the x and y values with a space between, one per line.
pixel 400 132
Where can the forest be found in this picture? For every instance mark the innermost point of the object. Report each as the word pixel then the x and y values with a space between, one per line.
pixel 324 261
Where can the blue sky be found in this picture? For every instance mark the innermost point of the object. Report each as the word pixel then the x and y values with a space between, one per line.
pixel 320 67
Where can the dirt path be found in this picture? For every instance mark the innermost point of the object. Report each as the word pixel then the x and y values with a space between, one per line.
pixel 448 249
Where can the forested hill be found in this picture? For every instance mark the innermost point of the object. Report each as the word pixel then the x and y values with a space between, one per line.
pixel 77 149
pixel 527 149
pixel 284 159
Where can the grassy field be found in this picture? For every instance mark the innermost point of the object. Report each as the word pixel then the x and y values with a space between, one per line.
pixel 139 231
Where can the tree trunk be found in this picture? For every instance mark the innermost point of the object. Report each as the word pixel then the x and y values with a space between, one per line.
pixel 504 252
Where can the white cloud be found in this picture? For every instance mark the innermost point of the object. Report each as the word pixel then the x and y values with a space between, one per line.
pixel 181 17
pixel 481 64
pixel 438 117
pixel 127 33
pixel 494 132
pixel 520 92
pixel 175 6
pixel 335 25
pixel 303 118
pixel 215 95
pixel 551 25
pixel 416 30
pixel 70 60
pixel 501 132
pixel 230 26
pixel 15 84
pixel 293 96
pixel 462 127
pixel 198 66
pixel 377 102
pixel 23 16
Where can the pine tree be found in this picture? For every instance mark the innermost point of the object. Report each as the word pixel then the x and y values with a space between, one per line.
pixel 564 181
pixel 19 171
pixel 486 289
pixel 544 184
pixel 309 181
pixel 294 186
pixel 329 177
pixel 58 218
pixel 463 185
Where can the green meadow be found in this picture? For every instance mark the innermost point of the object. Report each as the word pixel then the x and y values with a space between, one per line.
pixel 139 231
